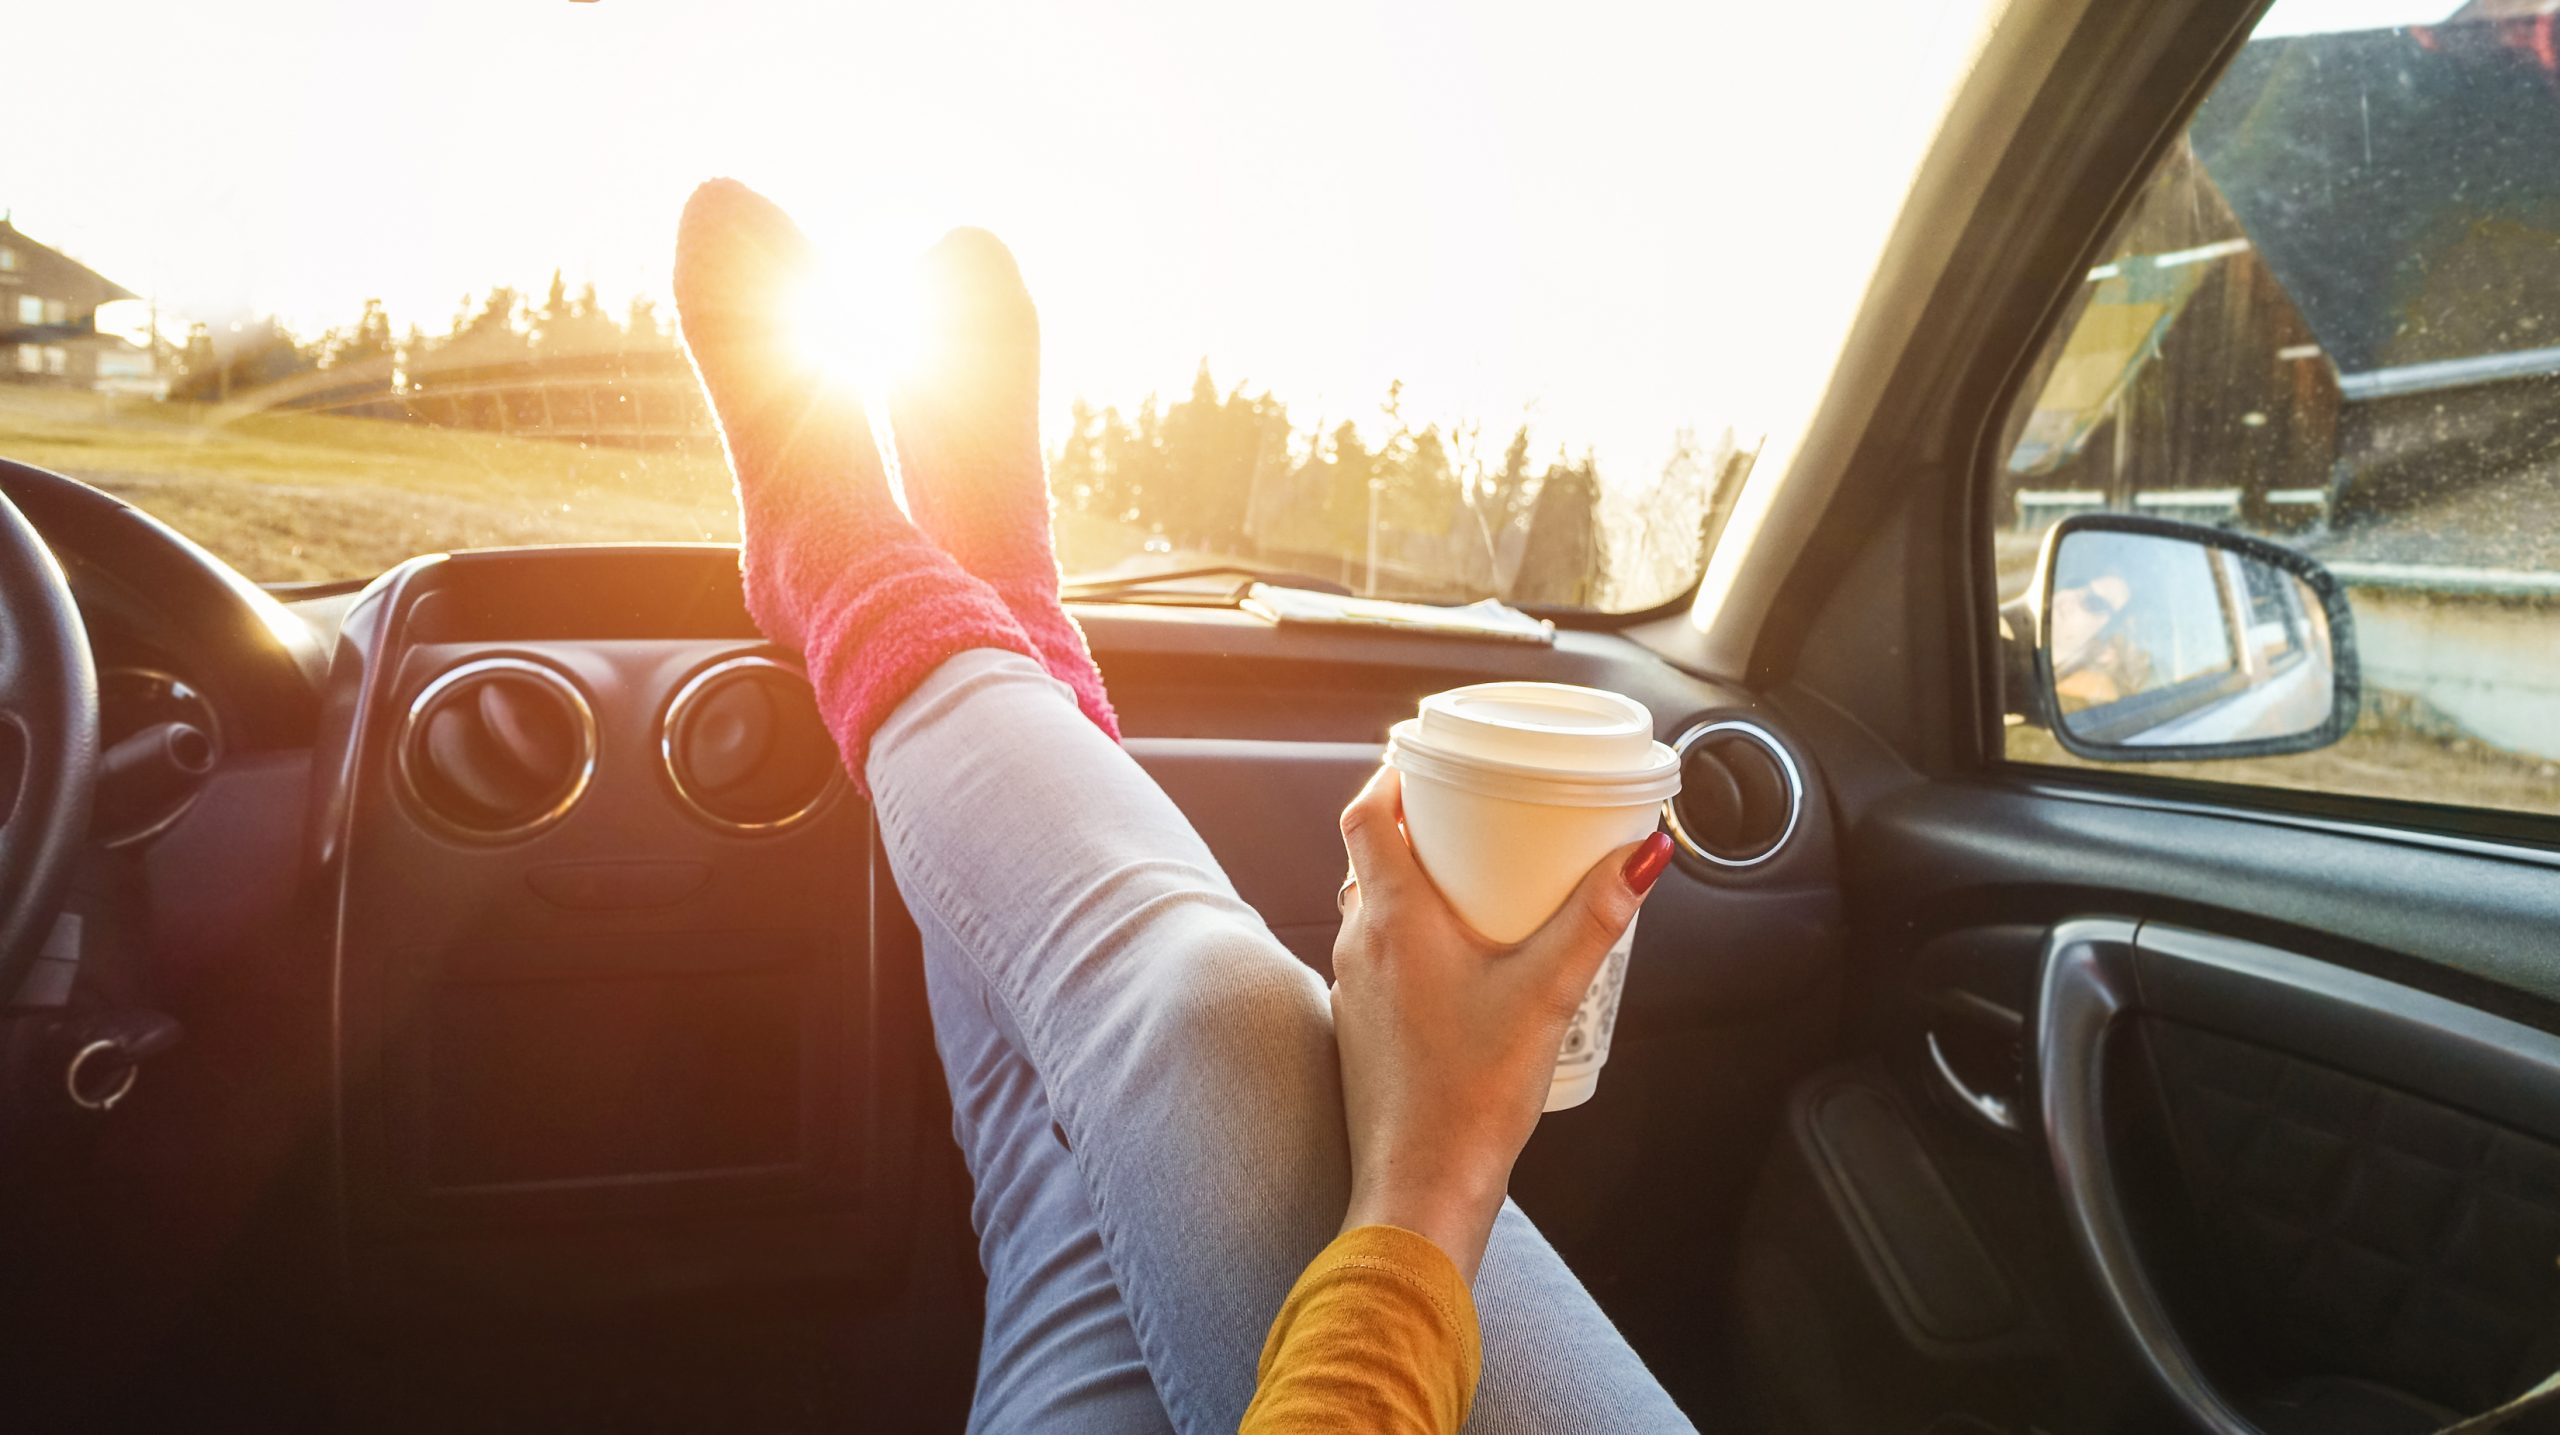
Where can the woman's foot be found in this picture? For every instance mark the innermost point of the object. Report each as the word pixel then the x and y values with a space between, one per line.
pixel 967 423
pixel 832 568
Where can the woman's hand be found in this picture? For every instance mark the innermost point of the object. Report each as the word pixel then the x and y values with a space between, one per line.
pixel 1449 1040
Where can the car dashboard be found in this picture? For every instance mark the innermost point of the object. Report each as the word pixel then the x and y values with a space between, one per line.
pixel 590 988
pixel 581 982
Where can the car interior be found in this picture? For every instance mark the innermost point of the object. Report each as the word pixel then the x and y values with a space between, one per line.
pixel 472 996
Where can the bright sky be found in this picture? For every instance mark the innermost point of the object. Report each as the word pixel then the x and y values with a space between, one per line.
pixel 1616 217
pixel 2311 17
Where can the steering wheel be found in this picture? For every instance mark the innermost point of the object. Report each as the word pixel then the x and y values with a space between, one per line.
pixel 48 741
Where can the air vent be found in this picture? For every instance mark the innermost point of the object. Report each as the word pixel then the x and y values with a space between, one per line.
pixel 745 749
pixel 1740 793
pixel 157 738
pixel 498 749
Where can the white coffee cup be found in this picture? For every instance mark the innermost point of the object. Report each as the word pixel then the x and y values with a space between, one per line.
pixel 1512 791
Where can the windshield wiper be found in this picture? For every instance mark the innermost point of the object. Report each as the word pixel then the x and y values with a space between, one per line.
pixel 1166 587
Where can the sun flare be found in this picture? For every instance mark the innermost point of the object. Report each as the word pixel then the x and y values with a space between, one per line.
pixel 861 325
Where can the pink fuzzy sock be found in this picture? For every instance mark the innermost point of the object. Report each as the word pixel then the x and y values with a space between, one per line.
pixel 967 426
pixel 832 568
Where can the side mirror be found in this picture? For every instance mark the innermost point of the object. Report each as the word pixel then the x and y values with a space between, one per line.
pixel 2156 641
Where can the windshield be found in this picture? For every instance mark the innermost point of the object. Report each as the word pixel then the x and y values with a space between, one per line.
pixel 1435 302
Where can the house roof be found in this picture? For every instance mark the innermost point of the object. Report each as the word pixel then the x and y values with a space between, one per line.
pixel 2504 524
pixel 2404 187
pixel 61 264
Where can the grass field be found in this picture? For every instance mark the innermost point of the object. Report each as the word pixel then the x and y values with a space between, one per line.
pixel 292 496
pixel 283 497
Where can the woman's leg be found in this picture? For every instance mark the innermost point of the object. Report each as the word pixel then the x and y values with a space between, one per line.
pixel 1058 1353
pixel 1184 1055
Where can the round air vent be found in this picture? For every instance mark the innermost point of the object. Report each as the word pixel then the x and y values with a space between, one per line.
pixel 498 749
pixel 166 736
pixel 745 749
pixel 1740 793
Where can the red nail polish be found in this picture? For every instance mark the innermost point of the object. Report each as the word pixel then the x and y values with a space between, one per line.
pixel 1645 866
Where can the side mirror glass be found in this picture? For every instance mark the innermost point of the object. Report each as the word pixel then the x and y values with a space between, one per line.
pixel 2159 640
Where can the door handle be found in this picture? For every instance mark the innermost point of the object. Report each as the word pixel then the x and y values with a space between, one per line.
pixel 2088 983
pixel 1997 1112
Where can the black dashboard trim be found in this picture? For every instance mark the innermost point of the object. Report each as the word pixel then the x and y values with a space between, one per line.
pixel 136 576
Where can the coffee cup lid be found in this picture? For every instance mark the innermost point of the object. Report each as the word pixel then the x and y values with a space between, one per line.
pixel 1538 742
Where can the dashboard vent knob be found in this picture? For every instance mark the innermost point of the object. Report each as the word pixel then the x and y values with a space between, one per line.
pixel 498 749
pixel 744 747
pixel 1740 793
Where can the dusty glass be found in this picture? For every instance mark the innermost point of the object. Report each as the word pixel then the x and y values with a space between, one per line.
pixel 2332 320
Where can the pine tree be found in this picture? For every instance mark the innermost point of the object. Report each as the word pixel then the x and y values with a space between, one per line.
pixel 1562 564
pixel 368 339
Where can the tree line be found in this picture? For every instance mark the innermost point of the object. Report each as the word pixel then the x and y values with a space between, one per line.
pixel 500 326
pixel 1422 508
pixel 1220 474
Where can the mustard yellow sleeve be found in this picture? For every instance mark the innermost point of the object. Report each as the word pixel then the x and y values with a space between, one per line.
pixel 1379 1334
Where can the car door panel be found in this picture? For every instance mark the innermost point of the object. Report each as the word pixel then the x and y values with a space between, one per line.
pixel 1900 1267
pixel 2369 1170
pixel 2286 1103
pixel 2439 915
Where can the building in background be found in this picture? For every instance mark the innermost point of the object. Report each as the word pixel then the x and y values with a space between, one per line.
pixel 2333 318
pixel 49 324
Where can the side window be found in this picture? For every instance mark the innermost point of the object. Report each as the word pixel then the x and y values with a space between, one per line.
pixel 2332 320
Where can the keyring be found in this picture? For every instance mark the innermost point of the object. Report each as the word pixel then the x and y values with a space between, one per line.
pixel 71 1079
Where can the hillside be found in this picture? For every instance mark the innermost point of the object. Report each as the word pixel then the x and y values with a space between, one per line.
pixel 295 496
